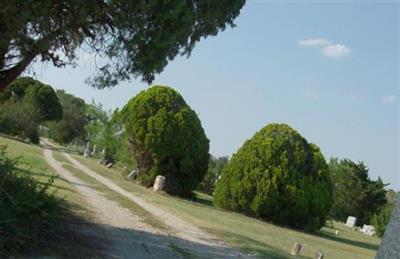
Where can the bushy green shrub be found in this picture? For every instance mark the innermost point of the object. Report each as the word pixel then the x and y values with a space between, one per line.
pixel 167 139
pixel 277 176
pixel 27 209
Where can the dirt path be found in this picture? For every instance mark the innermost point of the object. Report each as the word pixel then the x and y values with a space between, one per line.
pixel 129 235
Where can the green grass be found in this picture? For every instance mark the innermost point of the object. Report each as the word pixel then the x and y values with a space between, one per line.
pixel 66 244
pixel 248 234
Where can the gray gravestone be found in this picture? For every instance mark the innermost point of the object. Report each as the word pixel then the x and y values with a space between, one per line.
pixel 132 175
pixel 319 255
pixel 296 249
pixel 390 245
pixel 159 183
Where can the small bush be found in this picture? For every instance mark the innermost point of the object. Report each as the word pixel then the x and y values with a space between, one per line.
pixel 381 219
pixel 27 210
pixel 278 176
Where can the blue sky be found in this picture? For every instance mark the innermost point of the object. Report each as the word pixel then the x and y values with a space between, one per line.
pixel 330 70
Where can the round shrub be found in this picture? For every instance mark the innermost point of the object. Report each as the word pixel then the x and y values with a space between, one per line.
pixel 277 176
pixel 167 139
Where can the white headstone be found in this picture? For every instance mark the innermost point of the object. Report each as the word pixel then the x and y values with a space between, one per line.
pixel 368 230
pixel 94 150
pixel 351 221
pixel 159 183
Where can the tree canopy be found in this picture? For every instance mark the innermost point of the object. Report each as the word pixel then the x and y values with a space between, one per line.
pixel 167 139
pixel 41 96
pixel 25 105
pixel 278 176
pixel 138 38
pixel 71 126
pixel 355 193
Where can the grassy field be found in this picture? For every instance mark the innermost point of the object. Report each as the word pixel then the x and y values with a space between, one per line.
pixel 251 235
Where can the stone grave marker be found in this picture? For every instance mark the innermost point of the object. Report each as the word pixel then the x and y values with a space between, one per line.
pixel 159 183
pixel 351 221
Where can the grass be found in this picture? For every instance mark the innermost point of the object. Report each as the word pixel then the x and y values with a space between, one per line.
pixel 248 234
pixel 64 244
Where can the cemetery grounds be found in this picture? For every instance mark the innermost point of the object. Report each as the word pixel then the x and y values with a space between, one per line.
pixel 249 236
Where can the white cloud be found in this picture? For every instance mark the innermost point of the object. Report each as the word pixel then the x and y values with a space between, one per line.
pixel 389 99
pixel 329 49
pixel 314 42
pixel 336 51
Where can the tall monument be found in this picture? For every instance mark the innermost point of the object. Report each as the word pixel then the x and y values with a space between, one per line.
pixel 390 246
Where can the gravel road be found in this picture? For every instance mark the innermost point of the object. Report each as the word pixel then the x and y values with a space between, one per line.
pixel 128 234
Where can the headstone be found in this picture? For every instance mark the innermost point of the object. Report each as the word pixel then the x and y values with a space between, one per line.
pixel 368 230
pixel 94 150
pixel 159 183
pixel 296 249
pixel 390 245
pixel 86 152
pixel 337 232
pixel 132 175
pixel 319 255
pixel 109 165
pixel 351 222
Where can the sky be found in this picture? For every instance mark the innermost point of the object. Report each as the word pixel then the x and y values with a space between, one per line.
pixel 330 70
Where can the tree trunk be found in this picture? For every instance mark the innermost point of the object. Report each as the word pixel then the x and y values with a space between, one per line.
pixel 9 75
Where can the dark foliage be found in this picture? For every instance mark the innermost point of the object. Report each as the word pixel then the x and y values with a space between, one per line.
pixel 71 126
pixel 27 209
pixel 138 37
pixel 215 167
pixel 355 193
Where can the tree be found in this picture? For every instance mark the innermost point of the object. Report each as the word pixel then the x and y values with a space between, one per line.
pixel 41 96
pixel 71 126
pixel 277 176
pixel 355 193
pixel 167 139
pixel 25 105
pixel 102 131
pixel 21 119
pixel 138 37
pixel 215 167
